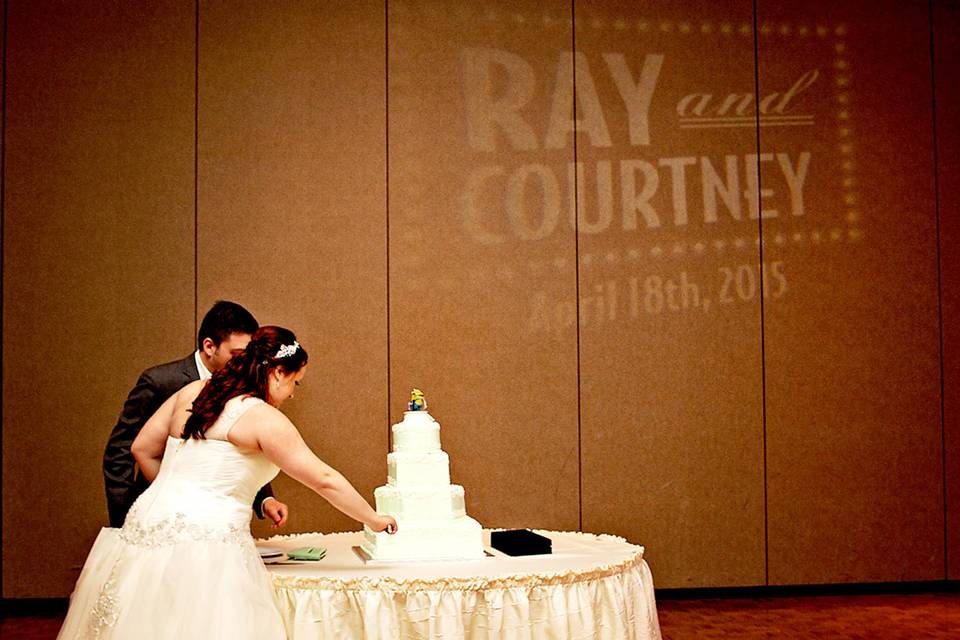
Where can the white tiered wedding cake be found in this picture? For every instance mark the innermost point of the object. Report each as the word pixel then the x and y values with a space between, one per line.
pixel 431 516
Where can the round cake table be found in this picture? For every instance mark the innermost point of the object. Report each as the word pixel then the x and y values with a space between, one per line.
pixel 591 586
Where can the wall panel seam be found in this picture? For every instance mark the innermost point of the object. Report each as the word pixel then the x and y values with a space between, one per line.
pixel 763 355
pixel 936 205
pixel 576 258
pixel 3 216
pixel 386 140
pixel 196 165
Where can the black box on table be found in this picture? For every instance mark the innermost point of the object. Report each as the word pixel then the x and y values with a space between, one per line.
pixel 520 542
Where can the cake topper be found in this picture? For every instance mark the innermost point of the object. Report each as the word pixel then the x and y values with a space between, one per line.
pixel 417 401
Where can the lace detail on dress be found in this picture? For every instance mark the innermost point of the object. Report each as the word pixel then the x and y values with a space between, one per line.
pixel 176 529
pixel 173 530
pixel 106 611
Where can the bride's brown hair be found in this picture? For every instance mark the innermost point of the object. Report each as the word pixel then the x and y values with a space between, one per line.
pixel 247 373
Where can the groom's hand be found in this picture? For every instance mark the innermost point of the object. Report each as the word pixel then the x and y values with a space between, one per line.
pixel 275 511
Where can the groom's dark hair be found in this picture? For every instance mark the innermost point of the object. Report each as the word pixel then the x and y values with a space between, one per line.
pixel 224 318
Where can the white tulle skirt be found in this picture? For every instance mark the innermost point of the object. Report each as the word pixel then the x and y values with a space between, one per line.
pixel 133 588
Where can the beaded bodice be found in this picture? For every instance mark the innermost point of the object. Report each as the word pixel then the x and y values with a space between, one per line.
pixel 204 490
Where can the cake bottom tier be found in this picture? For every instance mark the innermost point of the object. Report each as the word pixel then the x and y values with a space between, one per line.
pixel 457 539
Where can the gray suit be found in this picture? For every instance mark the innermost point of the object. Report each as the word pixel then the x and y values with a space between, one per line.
pixel 155 385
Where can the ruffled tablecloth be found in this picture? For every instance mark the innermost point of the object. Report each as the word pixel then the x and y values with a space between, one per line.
pixel 592 586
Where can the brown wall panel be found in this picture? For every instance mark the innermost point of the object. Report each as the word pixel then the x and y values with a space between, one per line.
pixel 946 41
pixel 851 354
pixel 670 353
pixel 292 218
pixel 294 145
pixel 98 257
pixel 480 252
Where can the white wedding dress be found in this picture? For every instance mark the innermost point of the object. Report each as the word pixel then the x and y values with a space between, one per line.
pixel 184 565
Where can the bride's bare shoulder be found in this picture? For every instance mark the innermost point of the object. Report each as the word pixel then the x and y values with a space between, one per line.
pixel 191 391
pixel 186 395
pixel 269 416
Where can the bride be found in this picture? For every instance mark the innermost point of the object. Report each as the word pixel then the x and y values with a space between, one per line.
pixel 184 565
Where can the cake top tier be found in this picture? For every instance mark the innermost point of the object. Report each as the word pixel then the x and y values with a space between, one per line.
pixel 416 420
pixel 418 431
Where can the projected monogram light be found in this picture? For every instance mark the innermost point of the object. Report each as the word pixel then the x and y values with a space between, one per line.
pixel 667 164
pixel 639 179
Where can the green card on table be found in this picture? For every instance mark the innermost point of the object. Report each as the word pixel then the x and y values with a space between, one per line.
pixel 307 553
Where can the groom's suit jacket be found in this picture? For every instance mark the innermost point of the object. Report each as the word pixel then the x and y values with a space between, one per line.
pixel 122 481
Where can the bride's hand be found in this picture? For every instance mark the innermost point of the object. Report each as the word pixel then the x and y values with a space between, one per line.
pixel 384 523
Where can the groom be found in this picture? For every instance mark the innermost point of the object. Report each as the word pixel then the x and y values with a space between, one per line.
pixel 225 330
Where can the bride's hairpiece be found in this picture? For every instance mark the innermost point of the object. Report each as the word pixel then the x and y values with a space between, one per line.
pixel 287 349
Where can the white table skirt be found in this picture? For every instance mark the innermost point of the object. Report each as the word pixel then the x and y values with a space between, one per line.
pixel 590 587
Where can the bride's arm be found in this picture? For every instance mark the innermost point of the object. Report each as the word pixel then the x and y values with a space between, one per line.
pixel 150 443
pixel 283 445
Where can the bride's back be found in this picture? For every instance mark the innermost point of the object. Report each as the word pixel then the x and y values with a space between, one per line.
pixel 181 411
pixel 207 479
